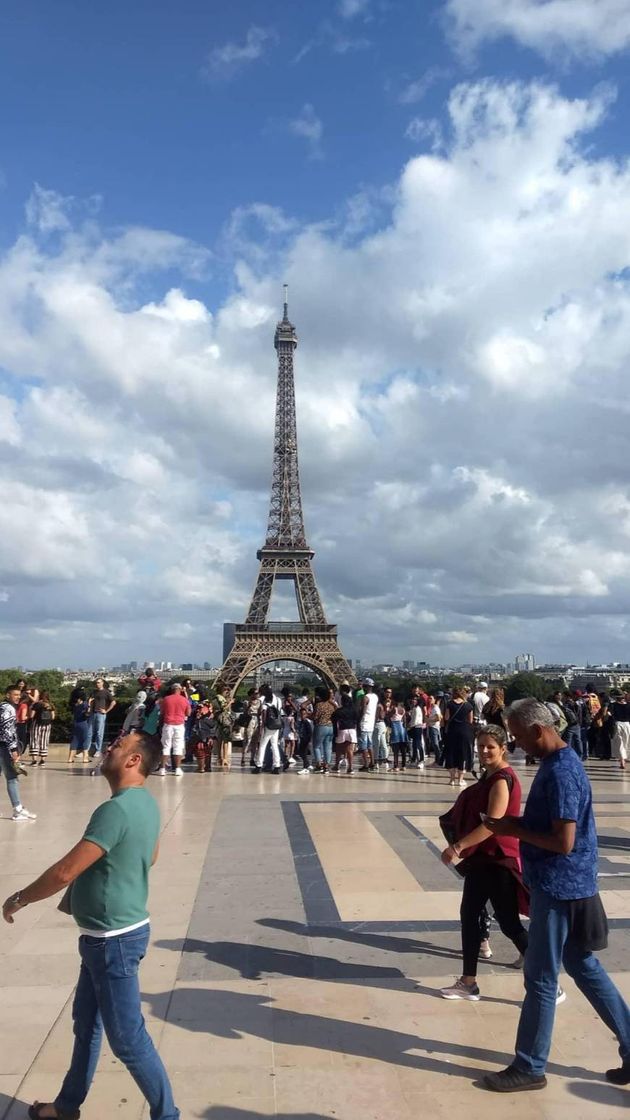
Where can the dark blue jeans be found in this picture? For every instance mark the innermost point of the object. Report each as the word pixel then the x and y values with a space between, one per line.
pixel 550 946
pixel 108 997
pixel 573 738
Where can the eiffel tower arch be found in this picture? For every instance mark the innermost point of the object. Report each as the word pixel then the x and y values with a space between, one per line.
pixel 285 556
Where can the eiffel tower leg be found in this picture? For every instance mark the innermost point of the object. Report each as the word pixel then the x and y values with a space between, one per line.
pixel 309 602
pixel 259 606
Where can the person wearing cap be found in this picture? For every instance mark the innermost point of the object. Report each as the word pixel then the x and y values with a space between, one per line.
pixel 367 722
pixel 174 711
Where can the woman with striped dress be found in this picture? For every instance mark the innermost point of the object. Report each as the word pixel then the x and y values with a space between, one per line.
pixel 41 726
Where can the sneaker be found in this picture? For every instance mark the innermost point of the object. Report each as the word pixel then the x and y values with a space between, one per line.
pixel 304 771
pixel 276 770
pixel 484 949
pixel 23 814
pixel 421 766
pixel 561 996
pixel 459 990
pixel 255 769
pixel 162 771
pixel 462 782
pixel 179 773
pixel 512 1080
pixel 452 782
pixel 619 1076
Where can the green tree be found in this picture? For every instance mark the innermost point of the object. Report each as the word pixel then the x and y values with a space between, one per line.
pixel 525 684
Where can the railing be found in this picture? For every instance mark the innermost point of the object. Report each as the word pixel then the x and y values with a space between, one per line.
pixel 285 628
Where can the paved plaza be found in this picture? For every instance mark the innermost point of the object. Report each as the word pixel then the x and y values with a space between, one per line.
pixel 300 930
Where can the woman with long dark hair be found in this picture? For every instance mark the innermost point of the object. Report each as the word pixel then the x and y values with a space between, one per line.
pixel 490 864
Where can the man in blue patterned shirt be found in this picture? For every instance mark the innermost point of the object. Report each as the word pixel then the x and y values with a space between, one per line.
pixel 10 753
pixel 567 920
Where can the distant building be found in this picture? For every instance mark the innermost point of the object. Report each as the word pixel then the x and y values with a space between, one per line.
pixel 524 663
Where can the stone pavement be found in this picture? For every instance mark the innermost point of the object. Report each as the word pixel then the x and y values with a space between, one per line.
pixel 300 929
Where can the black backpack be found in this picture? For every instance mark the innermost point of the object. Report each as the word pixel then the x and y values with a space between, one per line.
pixel 273 719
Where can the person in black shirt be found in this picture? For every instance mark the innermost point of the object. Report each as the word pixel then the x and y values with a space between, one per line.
pixel 620 711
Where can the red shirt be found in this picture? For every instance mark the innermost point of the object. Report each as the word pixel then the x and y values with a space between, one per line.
pixel 174 708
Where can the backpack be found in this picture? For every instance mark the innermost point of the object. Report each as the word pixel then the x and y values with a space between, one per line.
pixel 273 719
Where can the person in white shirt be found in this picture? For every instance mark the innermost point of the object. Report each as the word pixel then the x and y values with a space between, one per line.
pixel 270 724
pixel 434 724
pixel 367 723
pixel 415 726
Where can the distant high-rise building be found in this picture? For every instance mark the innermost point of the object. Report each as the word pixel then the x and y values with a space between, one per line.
pixel 524 663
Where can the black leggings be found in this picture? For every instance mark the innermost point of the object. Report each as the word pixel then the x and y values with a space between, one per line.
pixel 489 882
pixel 400 754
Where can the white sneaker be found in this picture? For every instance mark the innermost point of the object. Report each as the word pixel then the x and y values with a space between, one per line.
pixel 421 766
pixel 304 771
pixel 179 773
pixel 484 949
pixel 23 814
pixel 162 771
pixel 452 782
pixel 561 996
pixel 461 782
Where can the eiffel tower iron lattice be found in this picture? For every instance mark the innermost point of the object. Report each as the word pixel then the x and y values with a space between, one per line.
pixel 285 555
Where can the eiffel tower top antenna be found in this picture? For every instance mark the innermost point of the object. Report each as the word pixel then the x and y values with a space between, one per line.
pixel 286 302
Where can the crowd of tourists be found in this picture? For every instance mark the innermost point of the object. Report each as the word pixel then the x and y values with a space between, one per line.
pixel 541 864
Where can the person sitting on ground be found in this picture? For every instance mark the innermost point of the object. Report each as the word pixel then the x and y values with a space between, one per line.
pixel 489 865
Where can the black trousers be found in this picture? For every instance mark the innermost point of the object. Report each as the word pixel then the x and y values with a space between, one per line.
pixel 489 882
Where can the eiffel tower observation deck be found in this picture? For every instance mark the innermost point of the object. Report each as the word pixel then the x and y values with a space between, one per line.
pixel 285 555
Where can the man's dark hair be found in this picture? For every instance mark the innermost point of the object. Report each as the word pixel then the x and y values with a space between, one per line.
pixel 150 748
pixel 13 688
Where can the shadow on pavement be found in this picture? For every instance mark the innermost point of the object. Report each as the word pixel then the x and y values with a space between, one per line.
pixel 222 1112
pixel 20 1107
pixel 252 960
pixel 600 1093
pixel 236 1014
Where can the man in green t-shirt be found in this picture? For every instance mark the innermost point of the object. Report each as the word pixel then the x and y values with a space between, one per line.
pixel 108 874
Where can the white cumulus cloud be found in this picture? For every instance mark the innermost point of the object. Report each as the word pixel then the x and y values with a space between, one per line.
pixel 584 28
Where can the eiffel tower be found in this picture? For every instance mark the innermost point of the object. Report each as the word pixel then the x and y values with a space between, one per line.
pixel 285 555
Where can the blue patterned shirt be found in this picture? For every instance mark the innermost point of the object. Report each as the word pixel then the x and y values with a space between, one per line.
pixel 561 791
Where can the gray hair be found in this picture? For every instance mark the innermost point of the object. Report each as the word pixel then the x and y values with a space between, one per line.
pixel 529 711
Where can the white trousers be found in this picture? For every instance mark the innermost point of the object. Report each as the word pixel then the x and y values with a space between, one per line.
pixel 621 741
pixel 270 737
pixel 173 739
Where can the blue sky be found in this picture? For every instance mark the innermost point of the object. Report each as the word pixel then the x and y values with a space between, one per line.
pixel 163 168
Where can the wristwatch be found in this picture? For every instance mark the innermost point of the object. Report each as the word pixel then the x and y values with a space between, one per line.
pixel 16 899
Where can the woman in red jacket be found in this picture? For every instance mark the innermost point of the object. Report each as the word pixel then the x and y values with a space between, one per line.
pixel 490 865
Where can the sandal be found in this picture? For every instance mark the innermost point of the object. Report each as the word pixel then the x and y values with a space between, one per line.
pixel 35 1112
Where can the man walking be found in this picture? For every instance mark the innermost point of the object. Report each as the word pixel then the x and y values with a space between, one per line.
pixel 567 920
pixel 101 704
pixel 174 711
pixel 10 753
pixel 367 723
pixel 270 716
pixel 108 871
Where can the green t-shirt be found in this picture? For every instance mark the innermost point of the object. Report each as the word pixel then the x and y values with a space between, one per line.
pixel 112 893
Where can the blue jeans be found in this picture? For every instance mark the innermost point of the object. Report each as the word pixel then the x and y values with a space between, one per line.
pixel 550 946
pixel 323 743
pixel 108 996
pixel 416 734
pixel 96 733
pixel 434 740
pixel 584 740
pixel 6 768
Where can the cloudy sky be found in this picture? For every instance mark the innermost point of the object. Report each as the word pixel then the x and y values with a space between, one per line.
pixel 446 188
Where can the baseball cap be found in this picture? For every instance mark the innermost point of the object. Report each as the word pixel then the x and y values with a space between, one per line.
pixel 483 684
pixel 368 680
